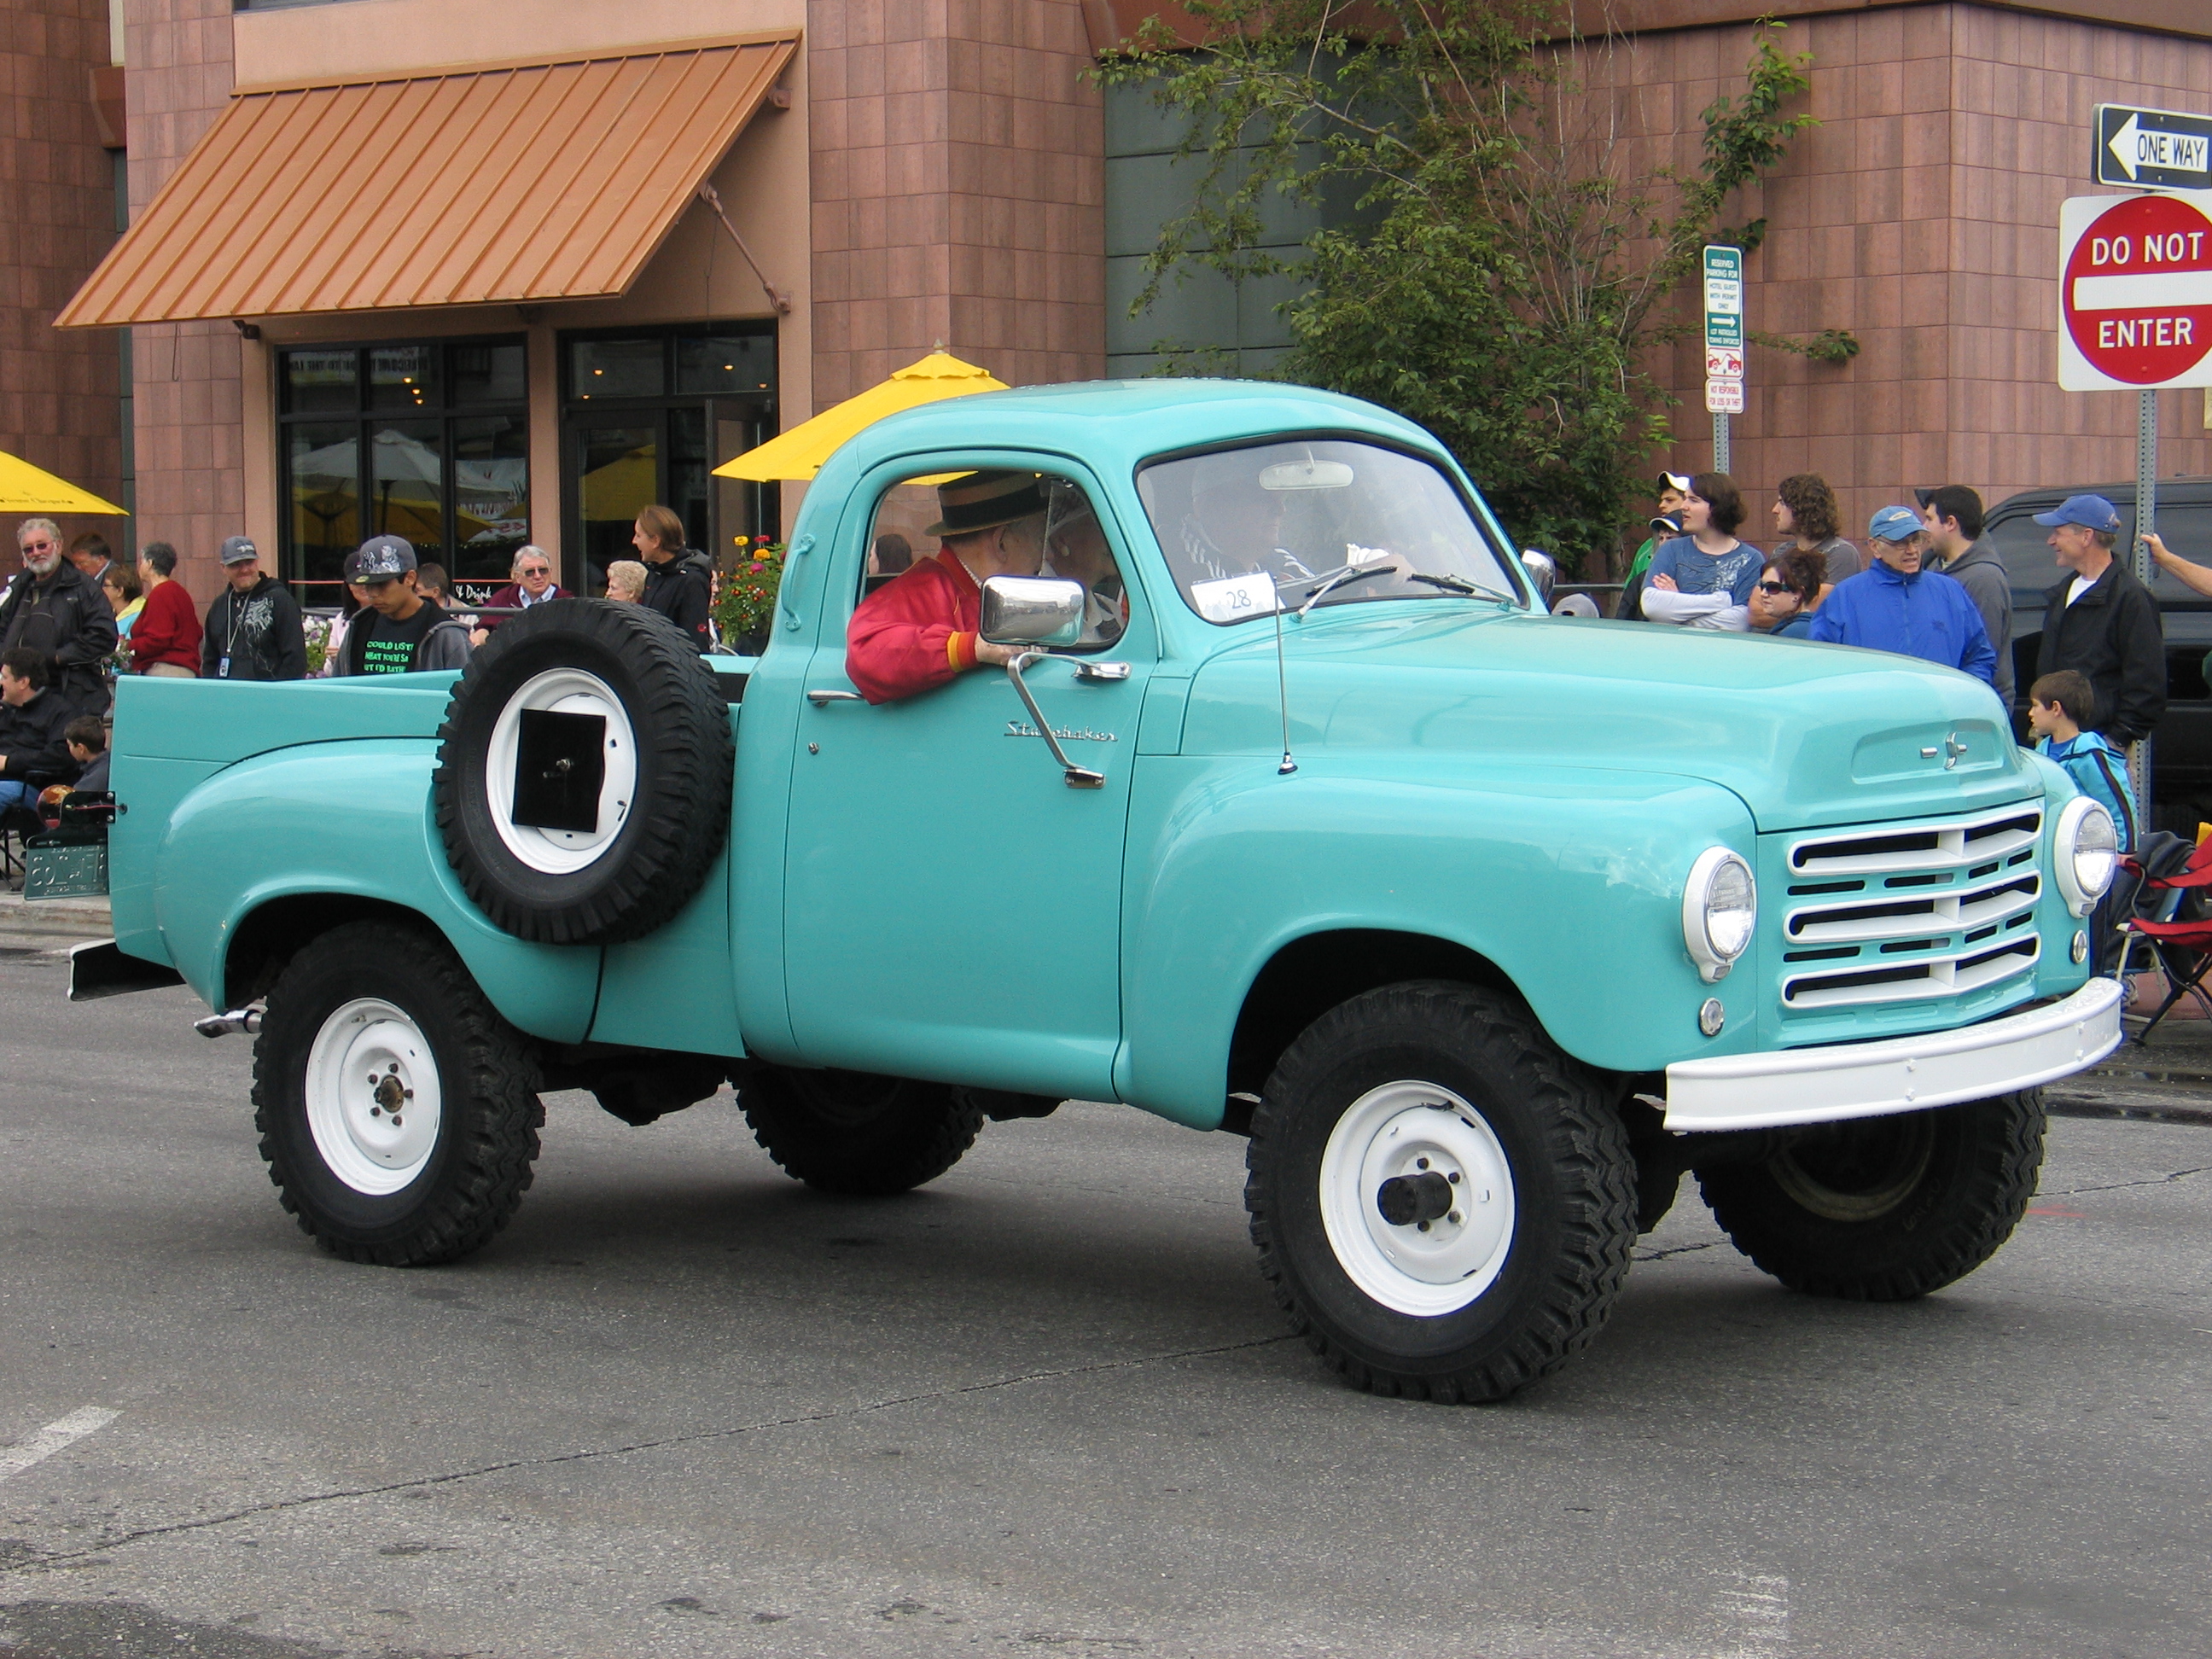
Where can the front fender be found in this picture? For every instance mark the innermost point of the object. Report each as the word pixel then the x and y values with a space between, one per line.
pixel 1569 881
pixel 270 828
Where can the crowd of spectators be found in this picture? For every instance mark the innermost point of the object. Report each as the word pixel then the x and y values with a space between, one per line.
pixel 1695 571
pixel 1931 588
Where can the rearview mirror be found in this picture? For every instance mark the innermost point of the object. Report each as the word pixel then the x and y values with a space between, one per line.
pixel 1543 570
pixel 1032 610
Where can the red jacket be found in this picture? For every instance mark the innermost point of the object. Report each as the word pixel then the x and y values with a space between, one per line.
pixel 167 630
pixel 917 633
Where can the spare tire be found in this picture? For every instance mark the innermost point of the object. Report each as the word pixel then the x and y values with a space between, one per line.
pixel 584 767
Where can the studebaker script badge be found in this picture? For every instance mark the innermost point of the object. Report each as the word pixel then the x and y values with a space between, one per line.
pixel 1065 733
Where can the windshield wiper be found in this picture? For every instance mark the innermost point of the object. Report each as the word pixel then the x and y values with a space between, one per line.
pixel 1460 585
pixel 1351 572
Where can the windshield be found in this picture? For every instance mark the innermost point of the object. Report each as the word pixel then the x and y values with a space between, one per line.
pixel 1322 519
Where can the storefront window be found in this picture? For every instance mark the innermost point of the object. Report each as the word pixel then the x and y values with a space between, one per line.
pixel 425 439
pixel 403 377
pixel 618 369
pixel 721 365
pixel 323 465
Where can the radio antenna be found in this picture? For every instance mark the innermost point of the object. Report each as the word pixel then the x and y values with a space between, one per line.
pixel 1282 692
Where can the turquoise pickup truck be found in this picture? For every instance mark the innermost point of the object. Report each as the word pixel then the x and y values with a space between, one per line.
pixel 1294 817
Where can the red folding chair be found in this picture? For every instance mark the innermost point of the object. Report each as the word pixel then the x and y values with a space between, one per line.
pixel 2181 945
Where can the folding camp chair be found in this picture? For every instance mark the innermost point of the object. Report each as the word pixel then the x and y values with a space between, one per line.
pixel 17 825
pixel 2167 915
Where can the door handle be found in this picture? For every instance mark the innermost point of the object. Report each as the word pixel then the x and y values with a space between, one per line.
pixel 819 697
pixel 1100 673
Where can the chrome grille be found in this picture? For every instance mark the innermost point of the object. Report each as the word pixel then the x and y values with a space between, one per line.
pixel 1919 911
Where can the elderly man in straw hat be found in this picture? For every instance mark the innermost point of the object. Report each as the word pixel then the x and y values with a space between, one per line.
pixel 920 631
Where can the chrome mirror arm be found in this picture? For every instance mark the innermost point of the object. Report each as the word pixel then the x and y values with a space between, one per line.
pixel 1076 777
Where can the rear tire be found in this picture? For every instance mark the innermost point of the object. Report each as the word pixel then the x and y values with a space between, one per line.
pixel 1404 1085
pixel 856 1134
pixel 1884 1209
pixel 398 1112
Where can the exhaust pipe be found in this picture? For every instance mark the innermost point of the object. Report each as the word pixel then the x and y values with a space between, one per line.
pixel 247 1020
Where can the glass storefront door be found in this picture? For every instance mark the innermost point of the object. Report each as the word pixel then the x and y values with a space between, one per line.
pixel 616 467
pixel 646 418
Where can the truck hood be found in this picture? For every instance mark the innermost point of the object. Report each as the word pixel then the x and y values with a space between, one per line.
pixel 1806 735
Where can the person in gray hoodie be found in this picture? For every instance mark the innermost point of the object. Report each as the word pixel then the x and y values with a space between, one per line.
pixel 396 630
pixel 1952 517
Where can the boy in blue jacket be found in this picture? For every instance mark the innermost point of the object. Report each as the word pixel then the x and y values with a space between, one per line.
pixel 2060 707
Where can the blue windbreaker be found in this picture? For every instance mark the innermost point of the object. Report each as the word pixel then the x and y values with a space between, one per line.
pixel 1924 615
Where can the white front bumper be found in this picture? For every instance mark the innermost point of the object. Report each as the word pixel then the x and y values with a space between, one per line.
pixel 1900 1074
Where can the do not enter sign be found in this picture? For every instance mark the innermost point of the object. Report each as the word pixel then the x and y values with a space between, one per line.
pixel 2135 292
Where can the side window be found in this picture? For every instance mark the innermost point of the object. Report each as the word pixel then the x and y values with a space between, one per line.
pixel 1055 531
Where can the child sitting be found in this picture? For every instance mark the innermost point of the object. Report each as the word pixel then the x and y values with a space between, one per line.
pixel 2058 706
pixel 87 737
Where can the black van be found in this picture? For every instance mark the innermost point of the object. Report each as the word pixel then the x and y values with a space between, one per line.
pixel 2181 748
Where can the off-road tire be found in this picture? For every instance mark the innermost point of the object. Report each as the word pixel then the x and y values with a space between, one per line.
pixel 680 819
pixel 1574 1192
pixel 1884 1209
pixel 856 1134
pixel 487 1070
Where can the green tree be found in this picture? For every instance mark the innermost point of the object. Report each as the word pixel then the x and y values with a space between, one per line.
pixel 1503 277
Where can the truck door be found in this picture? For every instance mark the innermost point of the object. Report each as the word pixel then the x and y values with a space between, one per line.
pixel 953 905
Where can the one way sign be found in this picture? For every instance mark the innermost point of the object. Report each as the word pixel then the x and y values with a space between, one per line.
pixel 2151 149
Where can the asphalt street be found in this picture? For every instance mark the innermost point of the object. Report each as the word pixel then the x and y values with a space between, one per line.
pixel 684 1407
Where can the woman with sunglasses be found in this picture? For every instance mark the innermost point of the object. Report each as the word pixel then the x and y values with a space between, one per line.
pixel 1787 593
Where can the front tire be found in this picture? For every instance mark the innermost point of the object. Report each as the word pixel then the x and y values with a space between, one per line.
pixel 398 1112
pixel 856 1134
pixel 1443 1203
pixel 1884 1209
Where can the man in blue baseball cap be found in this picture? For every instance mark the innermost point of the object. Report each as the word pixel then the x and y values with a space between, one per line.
pixel 2101 623
pixel 1891 605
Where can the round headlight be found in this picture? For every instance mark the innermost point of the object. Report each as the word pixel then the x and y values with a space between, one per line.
pixel 1720 906
pixel 2085 852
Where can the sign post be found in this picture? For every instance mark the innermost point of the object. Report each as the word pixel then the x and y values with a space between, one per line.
pixel 2135 314
pixel 1723 345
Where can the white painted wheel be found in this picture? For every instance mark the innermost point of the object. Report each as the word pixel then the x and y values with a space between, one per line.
pixel 373 1104
pixel 1411 1132
pixel 562 691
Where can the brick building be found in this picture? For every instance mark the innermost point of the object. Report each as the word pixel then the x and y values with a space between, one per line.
pixel 389 286
pixel 60 391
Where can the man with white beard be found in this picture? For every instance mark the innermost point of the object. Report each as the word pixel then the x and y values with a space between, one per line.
pixel 51 607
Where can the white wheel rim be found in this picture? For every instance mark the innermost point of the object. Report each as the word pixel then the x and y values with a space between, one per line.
pixel 373 1104
pixel 562 691
pixel 1411 1128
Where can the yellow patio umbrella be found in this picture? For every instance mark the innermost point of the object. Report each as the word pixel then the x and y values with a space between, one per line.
pixel 27 489
pixel 799 452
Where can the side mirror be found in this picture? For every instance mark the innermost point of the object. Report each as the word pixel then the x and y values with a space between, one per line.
pixel 1543 570
pixel 1031 610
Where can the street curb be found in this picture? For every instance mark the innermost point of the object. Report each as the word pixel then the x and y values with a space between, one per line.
pixel 2074 1106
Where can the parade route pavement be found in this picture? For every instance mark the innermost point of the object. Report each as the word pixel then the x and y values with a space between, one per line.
pixel 684 1407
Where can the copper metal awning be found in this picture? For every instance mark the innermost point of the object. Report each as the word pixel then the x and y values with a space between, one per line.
pixel 485 184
